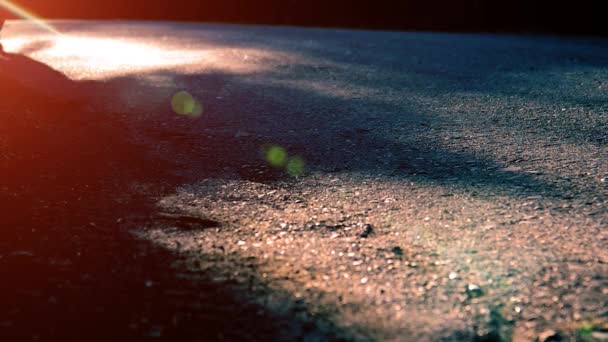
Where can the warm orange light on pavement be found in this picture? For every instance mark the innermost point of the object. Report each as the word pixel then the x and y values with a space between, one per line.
pixel 93 57
pixel 106 55
pixel 106 50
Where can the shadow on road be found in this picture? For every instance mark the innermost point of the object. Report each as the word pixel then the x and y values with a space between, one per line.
pixel 73 185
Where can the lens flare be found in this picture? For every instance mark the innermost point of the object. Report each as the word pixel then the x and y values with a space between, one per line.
pixel 183 103
pixel 25 14
pixel 276 156
pixel 295 166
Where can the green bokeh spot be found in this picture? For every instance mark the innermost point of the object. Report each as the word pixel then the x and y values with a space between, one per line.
pixel 276 156
pixel 183 103
pixel 295 166
pixel 198 110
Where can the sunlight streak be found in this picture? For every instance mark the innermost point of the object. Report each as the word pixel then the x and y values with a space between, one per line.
pixel 25 14
pixel 104 51
pixel 95 58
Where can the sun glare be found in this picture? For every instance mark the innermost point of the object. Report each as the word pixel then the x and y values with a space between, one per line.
pixel 92 57
pixel 28 15
pixel 105 55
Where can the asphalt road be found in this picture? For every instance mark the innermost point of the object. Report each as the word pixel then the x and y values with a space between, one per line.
pixel 337 184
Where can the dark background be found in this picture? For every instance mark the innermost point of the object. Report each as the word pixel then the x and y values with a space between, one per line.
pixel 542 16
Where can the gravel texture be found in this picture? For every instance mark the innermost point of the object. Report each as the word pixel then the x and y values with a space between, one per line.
pixel 454 185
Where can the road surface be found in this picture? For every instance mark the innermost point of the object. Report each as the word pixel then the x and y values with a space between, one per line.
pixel 335 184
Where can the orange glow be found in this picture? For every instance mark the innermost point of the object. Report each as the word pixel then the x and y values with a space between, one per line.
pixel 28 15
pixel 105 51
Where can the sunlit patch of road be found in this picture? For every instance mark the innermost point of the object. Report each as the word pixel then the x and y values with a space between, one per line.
pixel 82 57
pixel 98 55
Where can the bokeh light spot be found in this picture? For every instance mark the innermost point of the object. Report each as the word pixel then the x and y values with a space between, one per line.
pixel 276 156
pixel 183 103
pixel 295 166
pixel 198 109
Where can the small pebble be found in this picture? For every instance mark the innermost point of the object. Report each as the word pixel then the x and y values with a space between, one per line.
pixel 549 335
pixel 474 291
pixel 367 230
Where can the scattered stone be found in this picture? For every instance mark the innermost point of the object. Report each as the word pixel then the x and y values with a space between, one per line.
pixel 333 228
pixel 549 335
pixel 510 169
pixel 368 229
pixel 186 221
pixel 242 134
pixel 474 291
pixel 453 275
pixel 364 280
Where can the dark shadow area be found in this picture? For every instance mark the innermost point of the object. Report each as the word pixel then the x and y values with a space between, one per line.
pixel 333 136
pixel 582 17
pixel 523 69
pixel 73 186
